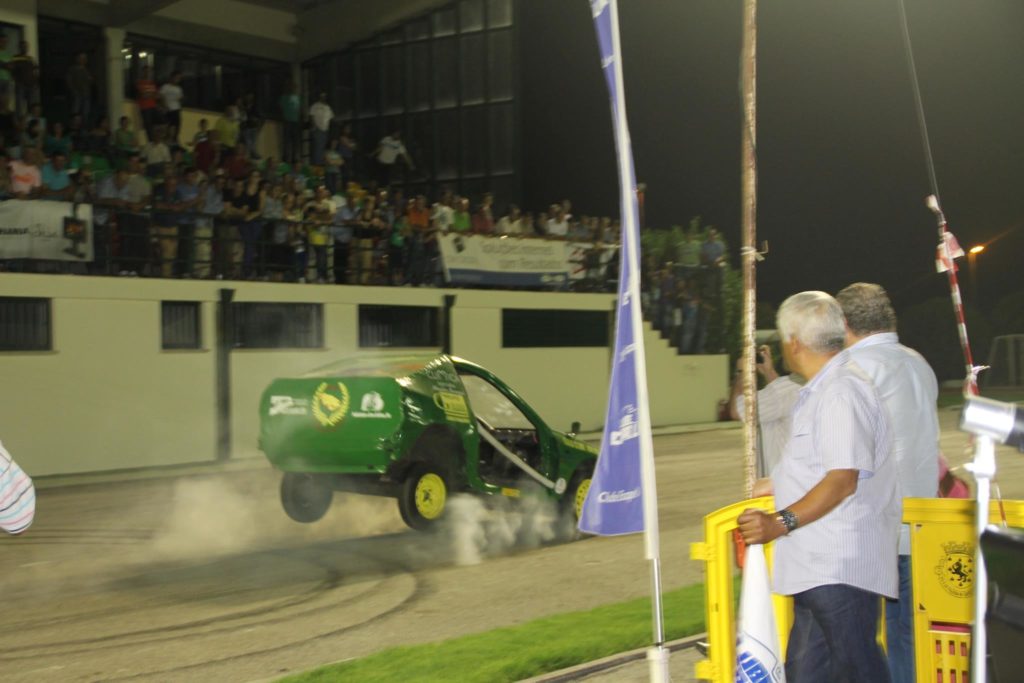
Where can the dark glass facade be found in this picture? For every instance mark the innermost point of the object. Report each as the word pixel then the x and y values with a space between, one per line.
pixel 448 80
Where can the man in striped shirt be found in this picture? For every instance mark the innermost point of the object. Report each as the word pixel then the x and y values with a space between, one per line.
pixel 908 389
pixel 17 495
pixel 839 503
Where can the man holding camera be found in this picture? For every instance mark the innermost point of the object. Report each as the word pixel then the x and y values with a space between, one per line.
pixel 774 406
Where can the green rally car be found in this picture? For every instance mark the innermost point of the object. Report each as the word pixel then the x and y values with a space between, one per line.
pixel 415 428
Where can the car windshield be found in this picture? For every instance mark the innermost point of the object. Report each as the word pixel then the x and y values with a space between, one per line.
pixel 492 406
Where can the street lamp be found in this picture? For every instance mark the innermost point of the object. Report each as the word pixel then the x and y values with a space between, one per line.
pixel 972 255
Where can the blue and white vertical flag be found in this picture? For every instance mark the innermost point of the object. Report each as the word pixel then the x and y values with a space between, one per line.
pixel 758 658
pixel 622 497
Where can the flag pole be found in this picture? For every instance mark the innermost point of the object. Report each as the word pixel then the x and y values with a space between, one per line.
pixel 623 498
pixel 748 252
pixel 657 654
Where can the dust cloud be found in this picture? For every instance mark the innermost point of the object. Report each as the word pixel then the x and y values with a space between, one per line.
pixel 221 516
pixel 477 529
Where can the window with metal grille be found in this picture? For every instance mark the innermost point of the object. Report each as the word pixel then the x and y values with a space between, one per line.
pixel 266 325
pixel 399 326
pixel 179 325
pixel 538 328
pixel 25 324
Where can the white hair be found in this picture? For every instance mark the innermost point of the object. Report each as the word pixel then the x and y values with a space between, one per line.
pixel 815 319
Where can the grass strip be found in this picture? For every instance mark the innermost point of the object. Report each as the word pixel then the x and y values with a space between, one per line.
pixel 517 652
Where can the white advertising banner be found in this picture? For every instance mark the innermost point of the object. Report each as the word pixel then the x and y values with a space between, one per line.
pixel 39 229
pixel 515 261
pixel 504 260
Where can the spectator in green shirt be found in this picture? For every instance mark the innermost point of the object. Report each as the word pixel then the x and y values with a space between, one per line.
pixel 290 112
pixel 227 128
pixel 461 222
pixel 126 141
pixel 57 142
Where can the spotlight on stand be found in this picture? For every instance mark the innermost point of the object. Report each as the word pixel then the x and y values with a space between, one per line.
pixel 1002 422
pixel 995 422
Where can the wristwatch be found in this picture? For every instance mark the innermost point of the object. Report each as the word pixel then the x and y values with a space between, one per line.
pixel 788 520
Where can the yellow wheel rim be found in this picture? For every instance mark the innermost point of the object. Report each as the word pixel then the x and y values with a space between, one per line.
pixel 581 495
pixel 430 496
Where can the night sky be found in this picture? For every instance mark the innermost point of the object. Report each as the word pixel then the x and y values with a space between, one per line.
pixel 842 174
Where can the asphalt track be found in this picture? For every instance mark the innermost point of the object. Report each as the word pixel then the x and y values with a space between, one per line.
pixel 203 578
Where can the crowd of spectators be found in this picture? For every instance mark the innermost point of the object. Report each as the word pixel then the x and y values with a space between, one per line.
pixel 211 207
pixel 682 296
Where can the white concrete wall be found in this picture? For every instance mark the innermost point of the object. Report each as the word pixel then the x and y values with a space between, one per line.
pixel 107 397
pixel 335 25
pixel 22 12
pixel 243 17
pixel 268 142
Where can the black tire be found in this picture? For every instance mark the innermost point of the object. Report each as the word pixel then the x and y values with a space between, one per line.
pixel 423 499
pixel 305 497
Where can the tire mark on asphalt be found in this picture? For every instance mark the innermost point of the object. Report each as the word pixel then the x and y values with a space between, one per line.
pixel 421 590
pixel 107 642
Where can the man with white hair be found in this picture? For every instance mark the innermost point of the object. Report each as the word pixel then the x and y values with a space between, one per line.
pixel 839 505
pixel 909 390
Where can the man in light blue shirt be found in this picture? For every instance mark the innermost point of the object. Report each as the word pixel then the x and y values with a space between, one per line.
pixel 56 180
pixel 839 504
pixel 908 389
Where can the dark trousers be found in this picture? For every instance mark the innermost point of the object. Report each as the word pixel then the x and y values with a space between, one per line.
pixel 319 140
pixel 291 141
pixel 341 254
pixel 320 254
pixel 186 249
pixel 833 637
pixel 150 118
pixel 134 231
pixel 384 175
pixel 102 248
pixel 396 265
pixel 899 628
pixel 172 119
pixel 251 232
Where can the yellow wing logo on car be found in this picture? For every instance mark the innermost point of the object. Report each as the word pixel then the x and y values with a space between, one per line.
pixel 330 403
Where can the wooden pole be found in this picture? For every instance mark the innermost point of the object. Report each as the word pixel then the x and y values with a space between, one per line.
pixel 748 252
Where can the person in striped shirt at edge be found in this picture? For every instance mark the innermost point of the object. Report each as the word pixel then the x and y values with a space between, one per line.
pixel 17 495
pixel 839 503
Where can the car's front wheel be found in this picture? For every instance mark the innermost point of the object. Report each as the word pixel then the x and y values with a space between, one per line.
pixel 577 490
pixel 572 503
pixel 424 497
pixel 305 497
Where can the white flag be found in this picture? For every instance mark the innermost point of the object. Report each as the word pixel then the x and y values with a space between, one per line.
pixel 757 642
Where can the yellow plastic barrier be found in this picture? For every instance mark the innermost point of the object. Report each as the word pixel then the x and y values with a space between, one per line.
pixel 942 544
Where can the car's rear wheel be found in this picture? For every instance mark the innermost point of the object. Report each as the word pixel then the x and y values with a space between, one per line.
pixel 424 497
pixel 305 497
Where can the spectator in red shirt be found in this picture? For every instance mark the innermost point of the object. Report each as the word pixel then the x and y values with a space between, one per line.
pixel 483 219
pixel 146 97
pixel 238 166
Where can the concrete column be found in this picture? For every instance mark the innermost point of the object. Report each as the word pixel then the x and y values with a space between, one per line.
pixel 114 38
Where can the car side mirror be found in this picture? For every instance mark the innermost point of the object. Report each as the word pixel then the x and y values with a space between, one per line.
pixel 574 429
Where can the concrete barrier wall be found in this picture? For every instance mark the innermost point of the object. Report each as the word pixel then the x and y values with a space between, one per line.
pixel 268 142
pixel 108 397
